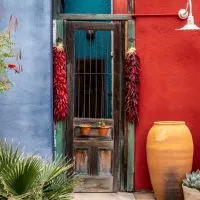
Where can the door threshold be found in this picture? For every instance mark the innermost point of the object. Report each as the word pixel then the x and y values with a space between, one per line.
pixel 103 196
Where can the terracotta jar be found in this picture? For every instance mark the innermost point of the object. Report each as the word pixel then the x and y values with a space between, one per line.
pixel 169 157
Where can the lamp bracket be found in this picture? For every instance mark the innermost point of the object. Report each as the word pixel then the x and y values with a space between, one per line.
pixel 183 14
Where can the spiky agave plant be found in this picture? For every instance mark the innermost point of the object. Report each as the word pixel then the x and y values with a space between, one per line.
pixel 31 178
pixel 192 180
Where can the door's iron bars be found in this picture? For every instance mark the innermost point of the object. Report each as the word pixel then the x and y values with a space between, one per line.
pixel 84 76
pixel 78 71
pixel 102 80
pixel 96 88
pixel 107 84
pixel 92 76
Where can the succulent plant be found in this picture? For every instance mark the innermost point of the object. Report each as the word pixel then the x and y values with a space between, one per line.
pixel 192 180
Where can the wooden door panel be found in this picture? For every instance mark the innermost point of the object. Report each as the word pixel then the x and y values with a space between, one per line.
pixel 96 184
pixel 82 161
pixel 93 143
pixel 105 162
pixel 96 157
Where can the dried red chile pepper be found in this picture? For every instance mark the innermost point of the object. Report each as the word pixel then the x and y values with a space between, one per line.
pixel 60 90
pixel 131 76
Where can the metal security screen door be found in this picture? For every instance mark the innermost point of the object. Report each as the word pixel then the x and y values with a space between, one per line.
pixel 93 75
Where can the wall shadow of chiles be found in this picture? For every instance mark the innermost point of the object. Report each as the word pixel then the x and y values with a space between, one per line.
pixel 172 190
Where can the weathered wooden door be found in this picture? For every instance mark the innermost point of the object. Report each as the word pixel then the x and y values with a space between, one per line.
pixel 93 76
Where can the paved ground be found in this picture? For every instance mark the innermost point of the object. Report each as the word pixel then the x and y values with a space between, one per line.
pixel 113 196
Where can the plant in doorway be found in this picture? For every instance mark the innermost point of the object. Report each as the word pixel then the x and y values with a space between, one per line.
pixel 103 128
pixel 191 186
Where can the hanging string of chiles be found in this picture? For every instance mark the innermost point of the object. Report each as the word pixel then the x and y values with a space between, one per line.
pixel 131 73
pixel 60 91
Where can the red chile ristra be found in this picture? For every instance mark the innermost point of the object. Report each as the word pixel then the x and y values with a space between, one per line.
pixel 60 90
pixel 131 73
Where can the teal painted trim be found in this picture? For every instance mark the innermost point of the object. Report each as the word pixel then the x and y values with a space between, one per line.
pixel 131 126
pixel 59 140
pixel 130 164
pixel 54 140
pixel 59 126
pixel 59 29
pixel 131 33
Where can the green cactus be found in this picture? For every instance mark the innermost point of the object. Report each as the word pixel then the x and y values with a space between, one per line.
pixel 192 180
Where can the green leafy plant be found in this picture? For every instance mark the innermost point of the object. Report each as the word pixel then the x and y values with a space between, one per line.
pixel 31 178
pixel 192 180
pixel 8 51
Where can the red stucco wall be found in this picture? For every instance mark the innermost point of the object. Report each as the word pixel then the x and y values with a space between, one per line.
pixel 119 6
pixel 170 76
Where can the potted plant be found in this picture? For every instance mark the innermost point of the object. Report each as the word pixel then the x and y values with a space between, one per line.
pixel 103 129
pixel 191 186
pixel 85 129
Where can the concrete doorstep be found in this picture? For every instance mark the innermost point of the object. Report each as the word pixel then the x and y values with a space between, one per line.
pixel 113 196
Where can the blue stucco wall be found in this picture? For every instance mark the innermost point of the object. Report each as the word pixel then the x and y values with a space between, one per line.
pixel 26 110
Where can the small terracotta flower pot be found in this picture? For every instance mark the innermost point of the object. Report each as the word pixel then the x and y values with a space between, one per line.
pixel 85 129
pixel 103 130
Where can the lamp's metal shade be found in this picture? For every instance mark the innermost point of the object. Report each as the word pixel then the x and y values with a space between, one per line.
pixel 190 25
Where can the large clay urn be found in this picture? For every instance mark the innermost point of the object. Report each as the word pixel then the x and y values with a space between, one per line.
pixel 169 157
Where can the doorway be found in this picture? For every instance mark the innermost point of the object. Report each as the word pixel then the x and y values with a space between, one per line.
pixel 94 82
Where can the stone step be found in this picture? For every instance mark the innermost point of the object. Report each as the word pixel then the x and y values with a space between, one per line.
pixel 113 196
